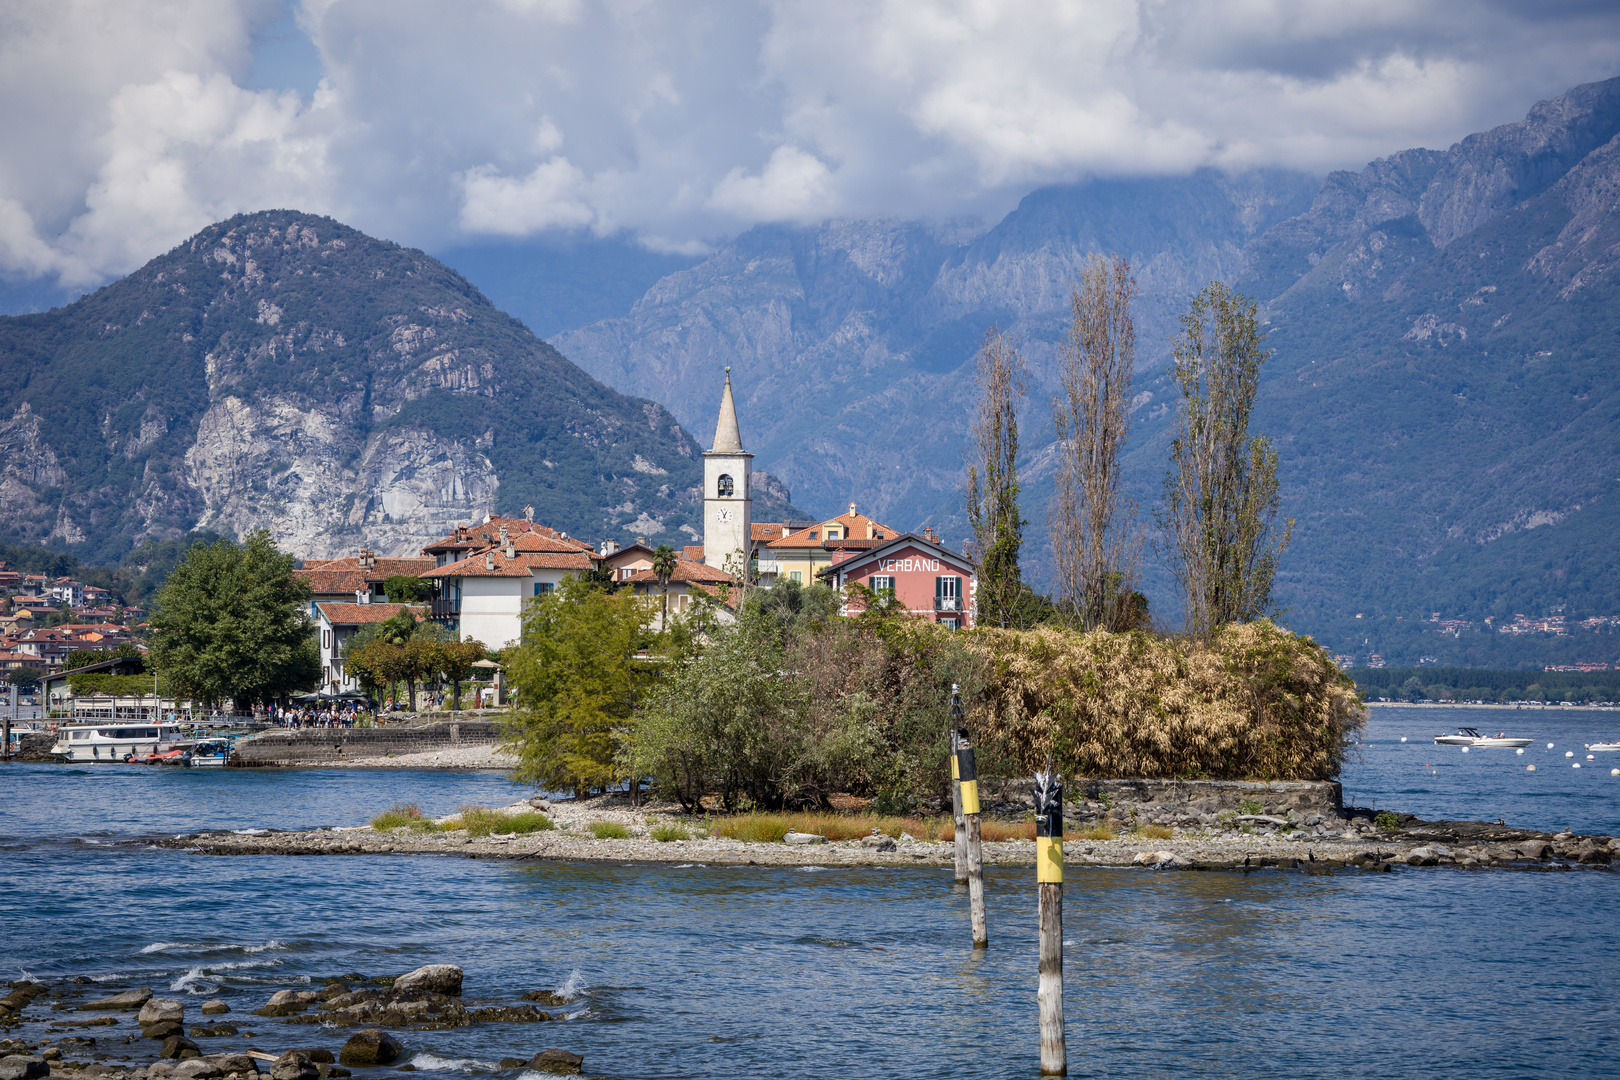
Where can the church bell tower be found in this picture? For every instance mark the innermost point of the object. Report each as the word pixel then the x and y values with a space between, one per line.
pixel 728 501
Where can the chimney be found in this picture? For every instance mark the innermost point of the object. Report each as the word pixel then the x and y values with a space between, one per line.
pixel 528 514
pixel 851 509
pixel 503 534
pixel 362 596
pixel 489 560
pixel 511 552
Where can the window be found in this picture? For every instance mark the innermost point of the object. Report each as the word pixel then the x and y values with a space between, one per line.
pixel 814 533
pixel 947 594
pixel 546 588
pixel 834 534
pixel 797 576
pixel 725 486
pixel 883 583
pixel 949 624
pixel 326 639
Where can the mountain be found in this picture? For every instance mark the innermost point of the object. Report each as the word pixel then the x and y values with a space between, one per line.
pixel 852 341
pixel 286 371
pixel 1443 391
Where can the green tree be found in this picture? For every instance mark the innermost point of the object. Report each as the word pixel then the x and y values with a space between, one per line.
pixel 1219 520
pixel 456 660
pixel 576 681
pixel 663 566
pixel 992 480
pixel 404 589
pixel 24 676
pixel 232 625
pixel 84 657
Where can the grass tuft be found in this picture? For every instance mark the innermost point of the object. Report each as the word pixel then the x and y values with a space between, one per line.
pixel 480 821
pixel 1103 830
pixel 1154 832
pixel 665 833
pixel 609 830
pixel 398 815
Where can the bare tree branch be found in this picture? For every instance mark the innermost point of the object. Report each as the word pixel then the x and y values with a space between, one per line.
pixel 992 483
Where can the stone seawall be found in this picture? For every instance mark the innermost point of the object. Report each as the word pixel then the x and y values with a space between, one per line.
pixel 326 746
pixel 1172 801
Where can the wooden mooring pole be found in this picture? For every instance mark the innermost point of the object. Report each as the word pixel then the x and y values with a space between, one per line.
pixel 1049 879
pixel 968 784
pixel 956 812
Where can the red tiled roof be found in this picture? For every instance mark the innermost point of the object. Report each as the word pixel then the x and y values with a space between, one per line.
pixel 687 571
pixel 359 614
pixel 852 526
pixel 692 553
pixel 469 537
pixel 766 531
pixel 518 566
pixel 335 582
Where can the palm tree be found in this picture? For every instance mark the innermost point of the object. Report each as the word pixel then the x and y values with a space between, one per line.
pixel 663 564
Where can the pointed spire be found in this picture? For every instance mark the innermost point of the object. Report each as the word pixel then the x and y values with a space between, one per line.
pixel 726 438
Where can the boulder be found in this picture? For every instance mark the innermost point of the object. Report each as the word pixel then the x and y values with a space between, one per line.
pixel 179 1047
pixel 545 997
pixel 1592 852
pixel 540 802
pixel 23 1067
pixel 215 1007
pixel 879 842
pixel 198 1069
pixel 800 838
pixel 216 1031
pixel 1153 858
pixel 440 978
pixel 332 990
pixel 327 1071
pixel 556 1061
pixel 157 1009
pixel 287 1002
pixel 318 1055
pixel 128 1000
pixel 1533 849
pixel 508 1014
pixel 163 1029
pixel 511 1063
pixel 370 1046
pixel 234 1063
pixel 1422 856
pixel 294 1065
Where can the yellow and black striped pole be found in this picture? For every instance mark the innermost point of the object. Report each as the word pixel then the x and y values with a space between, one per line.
pixel 959 825
pixel 968 783
pixel 1049 879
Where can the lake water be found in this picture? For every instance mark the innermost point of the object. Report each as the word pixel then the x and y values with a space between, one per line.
pixel 748 972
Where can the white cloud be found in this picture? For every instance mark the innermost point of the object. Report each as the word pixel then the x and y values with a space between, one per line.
pixel 794 186
pixel 125 127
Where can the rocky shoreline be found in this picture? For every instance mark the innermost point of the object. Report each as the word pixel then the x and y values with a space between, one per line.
pixel 427 999
pixel 1314 842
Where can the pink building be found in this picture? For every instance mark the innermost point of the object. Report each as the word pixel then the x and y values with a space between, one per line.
pixel 924 577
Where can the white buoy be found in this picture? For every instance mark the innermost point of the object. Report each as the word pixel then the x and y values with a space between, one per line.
pixel 1569 753
pixel 1614 772
pixel 1576 765
pixel 1465 749
pixel 1520 751
pixel 1589 757
pixel 1403 738
pixel 1549 746
pixel 1529 768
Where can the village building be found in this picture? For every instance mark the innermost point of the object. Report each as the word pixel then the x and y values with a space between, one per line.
pixel 481 596
pixel 918 573
pixel 624 562
pixel 357 579
pixel 811 547
pixel 335 624
pixel 689 578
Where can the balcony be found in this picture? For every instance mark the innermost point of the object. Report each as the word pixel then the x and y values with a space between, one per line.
pixel 767 566
pixel 443 608
pixel 947 603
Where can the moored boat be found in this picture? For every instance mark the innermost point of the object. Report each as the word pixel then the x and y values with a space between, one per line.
pixel 90 742
pixel 1597 746
pixel 1471 737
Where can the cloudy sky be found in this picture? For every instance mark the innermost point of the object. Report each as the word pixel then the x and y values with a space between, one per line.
pixel 126 125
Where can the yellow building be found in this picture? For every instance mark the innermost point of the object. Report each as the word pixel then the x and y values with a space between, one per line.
pixel 801 552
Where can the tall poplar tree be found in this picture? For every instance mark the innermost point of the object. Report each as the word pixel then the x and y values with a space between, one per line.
pixel 992 481
pixel 1095 543
pixel 1221 537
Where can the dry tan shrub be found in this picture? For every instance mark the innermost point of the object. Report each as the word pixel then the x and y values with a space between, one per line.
pixel 1255 703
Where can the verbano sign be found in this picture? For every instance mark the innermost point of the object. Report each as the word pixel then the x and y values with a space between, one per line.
pixel 913 565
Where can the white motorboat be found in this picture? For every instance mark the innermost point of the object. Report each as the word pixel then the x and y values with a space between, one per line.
pixel 215 753
pixel 1471 737
pixel 116 741
pixel 1597 746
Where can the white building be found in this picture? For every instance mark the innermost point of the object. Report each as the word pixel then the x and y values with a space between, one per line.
pixel 335 624
pixel 481 597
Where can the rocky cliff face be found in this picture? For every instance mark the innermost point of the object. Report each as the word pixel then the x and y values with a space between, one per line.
pixel 284 371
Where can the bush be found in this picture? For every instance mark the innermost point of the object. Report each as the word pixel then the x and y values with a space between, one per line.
pixel 1257 703
pixel 481 821
pixel 1154 832
pixel 665 833
pixel 1385 820
pixel 609 830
